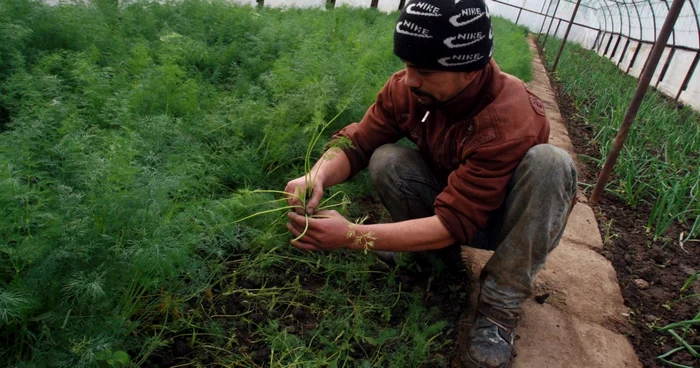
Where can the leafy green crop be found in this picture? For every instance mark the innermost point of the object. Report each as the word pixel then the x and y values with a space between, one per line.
pixel 129 135
pixel 659 163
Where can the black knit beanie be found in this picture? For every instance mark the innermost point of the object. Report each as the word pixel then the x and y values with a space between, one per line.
pixel 449 35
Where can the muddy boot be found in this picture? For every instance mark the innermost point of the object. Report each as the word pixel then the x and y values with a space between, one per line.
pixel 489 345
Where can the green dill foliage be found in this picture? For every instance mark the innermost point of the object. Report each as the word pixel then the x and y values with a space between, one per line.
pixel 129 134
pixel 512 54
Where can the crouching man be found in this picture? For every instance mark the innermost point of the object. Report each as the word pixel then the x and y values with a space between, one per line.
pixel 482 175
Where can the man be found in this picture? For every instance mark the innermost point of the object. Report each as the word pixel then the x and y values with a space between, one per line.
pixel 482 175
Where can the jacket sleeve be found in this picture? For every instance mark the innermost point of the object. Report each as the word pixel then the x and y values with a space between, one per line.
pixel 378 127
pixel 478 187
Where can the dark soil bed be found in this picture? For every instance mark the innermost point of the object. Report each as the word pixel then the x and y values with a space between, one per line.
pixel 444 290
pixel 651 273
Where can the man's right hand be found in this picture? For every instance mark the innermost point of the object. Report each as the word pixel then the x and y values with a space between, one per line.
pixel 298 188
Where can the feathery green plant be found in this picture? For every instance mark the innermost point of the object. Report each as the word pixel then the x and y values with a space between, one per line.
pixel 128 134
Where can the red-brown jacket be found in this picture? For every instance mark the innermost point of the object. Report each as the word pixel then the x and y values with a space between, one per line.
pixel 475 140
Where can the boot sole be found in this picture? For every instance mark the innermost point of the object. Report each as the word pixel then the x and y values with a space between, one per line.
pixel 470 363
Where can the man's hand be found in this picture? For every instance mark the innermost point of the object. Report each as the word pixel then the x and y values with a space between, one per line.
pixel 327 230
pixel 298 187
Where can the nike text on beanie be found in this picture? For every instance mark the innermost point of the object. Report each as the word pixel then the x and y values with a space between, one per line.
pixel 449 35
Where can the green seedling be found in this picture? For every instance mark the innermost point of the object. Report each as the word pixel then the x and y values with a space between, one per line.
pixel 303 195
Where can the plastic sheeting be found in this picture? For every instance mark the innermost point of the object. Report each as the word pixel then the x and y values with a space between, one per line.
pixel 616 30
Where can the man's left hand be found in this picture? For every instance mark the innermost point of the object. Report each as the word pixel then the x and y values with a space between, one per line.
pixel 327 230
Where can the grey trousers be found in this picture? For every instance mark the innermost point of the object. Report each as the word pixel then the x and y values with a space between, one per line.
pixel 522 232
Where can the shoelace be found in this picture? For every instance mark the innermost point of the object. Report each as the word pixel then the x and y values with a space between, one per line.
pixel 507 330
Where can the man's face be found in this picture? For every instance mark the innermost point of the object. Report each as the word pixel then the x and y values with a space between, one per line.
pixel 431 87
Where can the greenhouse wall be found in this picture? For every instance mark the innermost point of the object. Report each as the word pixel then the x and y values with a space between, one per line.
pixel 607 26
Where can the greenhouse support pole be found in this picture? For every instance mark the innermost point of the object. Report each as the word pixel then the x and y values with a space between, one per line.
pixel 694 65
pixel 556 30
pixel 374 4
pixel 642 86
pixel 596 40
pixel 662 75
pixel 549 29
pixel 545 18
pixel 634 57
pixel 566 36
pixel 624 50
pixel 520 12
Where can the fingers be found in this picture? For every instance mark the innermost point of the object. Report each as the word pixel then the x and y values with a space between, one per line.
pixel 297 226
pixel 304 246
pixel 305 243
pixel 293 191
pixel 315 199
pixel 294 229
pixel 297 219
pixel 328 213
pixel 290 189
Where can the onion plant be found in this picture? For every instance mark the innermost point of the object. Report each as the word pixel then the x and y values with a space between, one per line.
pixel 659 163
pixel 680 330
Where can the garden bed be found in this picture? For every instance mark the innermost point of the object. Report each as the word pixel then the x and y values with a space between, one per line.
pixel 655 268
pixel 131 139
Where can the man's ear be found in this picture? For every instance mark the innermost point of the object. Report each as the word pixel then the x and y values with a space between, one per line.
pixel 468 76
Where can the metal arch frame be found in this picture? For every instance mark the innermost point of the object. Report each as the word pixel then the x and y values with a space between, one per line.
pixel 656 32
pixel 641 34
pixel 641 37
pixel 605 22
pixel 619 35
pixel 697 21
pixel 629 33
pixel 551 22
pixel 653 14
pixel 667 63
pixel 611 31
pixel 606 11
pixel 694 64
pixel 545 18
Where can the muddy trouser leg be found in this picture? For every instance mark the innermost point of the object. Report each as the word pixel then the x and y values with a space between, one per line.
pixel 408 186
pixel 528 227
pixel 523 232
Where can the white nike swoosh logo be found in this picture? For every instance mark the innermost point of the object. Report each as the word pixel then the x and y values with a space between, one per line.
pixel 452 45
pixel 444 61
pixel 455 20
pixel 410 10
pixel 399 30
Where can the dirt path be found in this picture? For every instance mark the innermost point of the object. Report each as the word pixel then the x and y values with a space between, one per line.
pixel 576 324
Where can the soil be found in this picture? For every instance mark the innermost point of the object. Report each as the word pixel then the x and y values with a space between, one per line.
pixel 651 273
pixel 443 290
